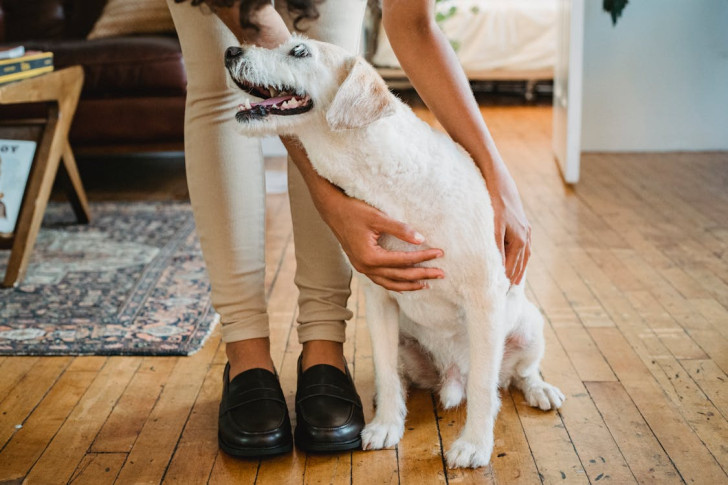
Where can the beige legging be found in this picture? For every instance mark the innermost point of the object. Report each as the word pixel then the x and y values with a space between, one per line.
pixel 225 175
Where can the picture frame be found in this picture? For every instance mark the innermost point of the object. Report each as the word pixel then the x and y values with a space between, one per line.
pixel 16 159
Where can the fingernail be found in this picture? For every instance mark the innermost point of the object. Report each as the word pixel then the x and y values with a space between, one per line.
pixel 441 277
pixel 425 286
pixel 419 237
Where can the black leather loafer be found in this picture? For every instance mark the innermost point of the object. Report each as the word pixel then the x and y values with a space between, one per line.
pixel 329 415
pixel 253 418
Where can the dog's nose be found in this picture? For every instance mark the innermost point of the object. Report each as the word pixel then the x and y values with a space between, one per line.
pixel 232 53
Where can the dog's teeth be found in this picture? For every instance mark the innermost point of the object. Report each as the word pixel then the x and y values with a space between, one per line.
pixel 247 104
pixel 273 92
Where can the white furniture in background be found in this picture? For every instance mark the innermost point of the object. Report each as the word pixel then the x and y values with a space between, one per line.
pixel 495 40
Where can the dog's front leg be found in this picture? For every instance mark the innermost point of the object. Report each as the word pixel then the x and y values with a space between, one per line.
pixel 387 427
pixel 484 315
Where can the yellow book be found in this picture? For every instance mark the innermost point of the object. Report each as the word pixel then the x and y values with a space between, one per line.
pixel 31 60
pixel 8 78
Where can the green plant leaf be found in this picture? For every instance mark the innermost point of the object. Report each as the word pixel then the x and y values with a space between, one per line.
pixel 615 8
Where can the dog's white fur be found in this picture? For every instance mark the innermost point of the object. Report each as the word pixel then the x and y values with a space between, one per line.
pixel 469 333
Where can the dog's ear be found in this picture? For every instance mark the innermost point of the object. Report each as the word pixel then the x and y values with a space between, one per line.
pixel 362 98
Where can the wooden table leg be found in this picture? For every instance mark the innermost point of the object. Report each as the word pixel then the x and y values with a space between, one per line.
pixel 63 87
pixel 77 194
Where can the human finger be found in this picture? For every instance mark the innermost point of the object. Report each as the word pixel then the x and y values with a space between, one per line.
pixel 513 254
pixel 410 274
pixel 403 259
pixel 398 285
pixel 400 230
pixel 524 261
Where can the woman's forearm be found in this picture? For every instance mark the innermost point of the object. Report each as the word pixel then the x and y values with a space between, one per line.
pixel 271 31
pixel 432 67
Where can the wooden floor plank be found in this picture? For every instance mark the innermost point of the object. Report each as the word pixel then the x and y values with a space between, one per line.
pixel 98 469
pixel 574 446
pixel 583 353
pixel 699 412
pixel 370 467
pixel 68 447
pixel 228 470
pixel 512 461
pixel 28 443
pixel 122 428
pixel 27 393
pixel 154 447
pixel 333 469
pixel 419 451
pixel 197 449
pixel 13 369
pixel 646 458
pixel 712 381
pixel 713 312
pixel 692 459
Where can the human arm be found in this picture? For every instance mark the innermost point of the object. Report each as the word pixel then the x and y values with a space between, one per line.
pixel 422 50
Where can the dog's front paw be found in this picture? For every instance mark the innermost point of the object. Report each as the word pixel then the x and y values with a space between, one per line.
pixel 544 396
pixel 465 454
pixel 377 435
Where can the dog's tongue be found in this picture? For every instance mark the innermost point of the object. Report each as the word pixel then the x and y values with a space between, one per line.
pixel 272 101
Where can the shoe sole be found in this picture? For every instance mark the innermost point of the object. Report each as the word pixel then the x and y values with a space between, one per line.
pixel 330 447
pixel 254 452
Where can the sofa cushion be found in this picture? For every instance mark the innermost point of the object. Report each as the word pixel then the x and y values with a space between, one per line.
pixel 124 17
pixel 128 66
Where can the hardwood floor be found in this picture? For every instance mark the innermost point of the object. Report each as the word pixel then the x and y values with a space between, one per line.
pixel 630 268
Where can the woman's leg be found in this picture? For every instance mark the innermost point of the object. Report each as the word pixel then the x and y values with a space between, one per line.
pixel 322 273
pixel 225 175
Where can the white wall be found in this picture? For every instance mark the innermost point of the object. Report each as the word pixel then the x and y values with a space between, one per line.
pixel 658 81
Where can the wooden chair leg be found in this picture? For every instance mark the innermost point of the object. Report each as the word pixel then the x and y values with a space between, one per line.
pixel 77 194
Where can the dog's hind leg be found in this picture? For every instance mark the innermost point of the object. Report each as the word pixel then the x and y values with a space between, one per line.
pixel 417 364
pixel 387 427
pixel 452 389
pixel 528 347
pixel 484 315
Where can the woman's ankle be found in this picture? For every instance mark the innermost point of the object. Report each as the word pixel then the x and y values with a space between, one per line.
pixel 323 352
pixel 249 354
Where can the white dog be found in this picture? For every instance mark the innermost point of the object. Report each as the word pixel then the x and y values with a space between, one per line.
pixel 467 334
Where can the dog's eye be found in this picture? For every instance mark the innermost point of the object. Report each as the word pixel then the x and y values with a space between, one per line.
pixel 300 51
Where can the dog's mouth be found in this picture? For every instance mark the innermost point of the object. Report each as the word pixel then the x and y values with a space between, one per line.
pixel 280 102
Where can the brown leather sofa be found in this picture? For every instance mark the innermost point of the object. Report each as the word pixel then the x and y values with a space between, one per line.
pixel 134 90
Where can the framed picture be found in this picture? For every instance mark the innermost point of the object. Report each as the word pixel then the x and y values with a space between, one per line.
pixel 16 158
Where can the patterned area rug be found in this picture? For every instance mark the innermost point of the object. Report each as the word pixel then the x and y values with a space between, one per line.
pixel 132 282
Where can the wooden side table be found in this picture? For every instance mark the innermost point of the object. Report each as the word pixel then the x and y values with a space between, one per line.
pixel 61 89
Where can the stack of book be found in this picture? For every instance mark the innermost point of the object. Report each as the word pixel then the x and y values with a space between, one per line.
pixel 16 63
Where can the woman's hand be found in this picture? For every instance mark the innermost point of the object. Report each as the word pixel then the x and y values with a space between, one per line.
pixel 512 230
pixel 358 227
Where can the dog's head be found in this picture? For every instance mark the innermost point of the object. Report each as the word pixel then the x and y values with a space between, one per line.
pixel 302 81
